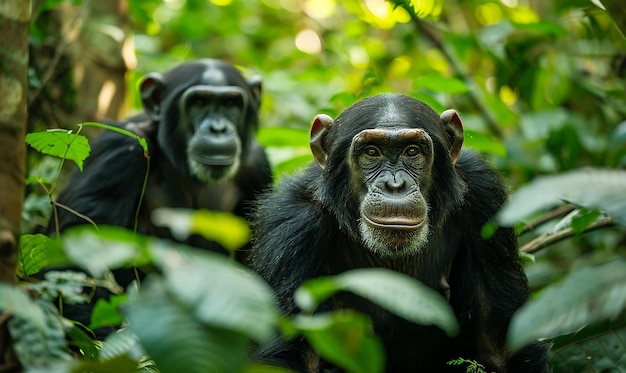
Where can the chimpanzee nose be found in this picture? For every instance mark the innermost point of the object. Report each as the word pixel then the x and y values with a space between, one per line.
pixel 217 127
pixel 394 183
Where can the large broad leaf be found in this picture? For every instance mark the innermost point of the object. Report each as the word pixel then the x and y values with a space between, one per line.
pixel 17 302
pixel 592 188
pixel 227 229
pixel 394 291
pixel 219 292
pixel 106 312
pixel 104 248
pixel 345 339
pixel 61 143
pixel 121 343
pixel 586 296
pixel 33 253
pixel 597 348
pixel 176 340
pixel 34 346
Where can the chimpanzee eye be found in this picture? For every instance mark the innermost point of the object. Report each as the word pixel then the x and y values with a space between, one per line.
pixel 412 151
pixel 198 101
pixel 371 151
pixel 231 101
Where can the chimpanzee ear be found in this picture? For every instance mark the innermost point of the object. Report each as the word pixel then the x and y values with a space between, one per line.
pixel 319 129
pixel 152 90
pixel 256 86
pixel 454 129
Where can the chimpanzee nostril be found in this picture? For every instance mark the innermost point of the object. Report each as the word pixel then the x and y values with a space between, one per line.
pixel 217 126
pixel 395 183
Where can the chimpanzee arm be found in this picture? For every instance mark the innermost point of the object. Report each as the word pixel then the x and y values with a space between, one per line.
pixel 288 255
pixel 108 189
pixel 487 281
pixel 294 253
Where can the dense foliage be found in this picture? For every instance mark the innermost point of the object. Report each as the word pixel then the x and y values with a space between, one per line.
pixel 540 87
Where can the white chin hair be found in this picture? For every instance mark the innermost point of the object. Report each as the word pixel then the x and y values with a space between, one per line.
pixel 212 173
pixel 393 244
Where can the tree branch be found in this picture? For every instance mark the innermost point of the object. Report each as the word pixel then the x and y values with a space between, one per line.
pixel 459 70
pixel 548 239
pixel 561 210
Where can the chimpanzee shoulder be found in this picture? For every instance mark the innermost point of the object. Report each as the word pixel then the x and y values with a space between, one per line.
pixel 485 187
pixel 107 188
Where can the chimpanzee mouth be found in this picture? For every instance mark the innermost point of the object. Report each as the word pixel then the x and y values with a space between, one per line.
pixel 213 172
pixel 215 160
pixel 395 222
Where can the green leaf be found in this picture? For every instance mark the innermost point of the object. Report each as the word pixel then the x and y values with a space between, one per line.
pixel 104 248
pixel 64 283
pixel 537 126
pixel 438 83
pixel 121 363
pixel 586 296
pixel 345 339
pixel 592 188
pixel 342 99
pixel 283 136
pixel 484 143
pixel 36 346
pixel 142 141
pixel 61 143
pixel 17 302
pixel 597 348
pixel 120 343
pixel 106 312
pixel 79 340
pixel 33 253
pixel 219 292
pixel 583 219
pixel 615 10
pixel 225 228
pixel 429 100
pixel 394 291
pixel 175 339
pixel 291 165
pixel 552 82
pixel 542 28
pixel 315 291
pixel 504 116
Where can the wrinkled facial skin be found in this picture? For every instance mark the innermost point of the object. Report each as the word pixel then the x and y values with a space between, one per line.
pixel 213 116
pixel 390 169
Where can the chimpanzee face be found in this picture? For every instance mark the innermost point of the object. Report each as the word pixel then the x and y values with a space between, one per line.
pixel 206 112
pixel 390 166
pixel 213 116
pixel 386 155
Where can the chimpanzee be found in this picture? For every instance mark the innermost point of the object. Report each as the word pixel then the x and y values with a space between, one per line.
pixel 199 120
pixel 391 188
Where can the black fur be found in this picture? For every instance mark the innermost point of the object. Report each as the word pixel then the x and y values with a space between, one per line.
pixel 314 233
pixel 108 190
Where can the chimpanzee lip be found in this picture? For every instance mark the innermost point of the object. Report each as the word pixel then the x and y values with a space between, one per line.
pixel 214 160
pixel 395 222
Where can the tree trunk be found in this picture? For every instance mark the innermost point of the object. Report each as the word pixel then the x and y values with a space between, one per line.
pixel 14 23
